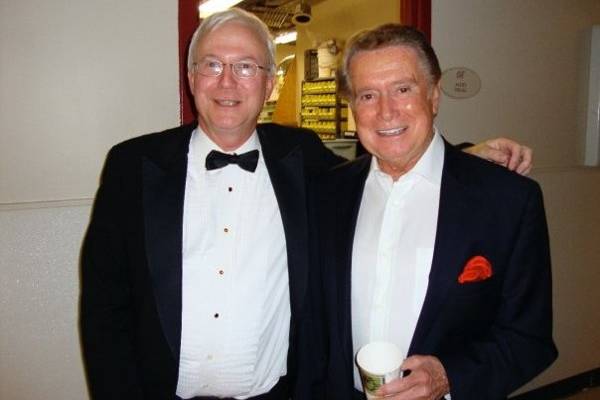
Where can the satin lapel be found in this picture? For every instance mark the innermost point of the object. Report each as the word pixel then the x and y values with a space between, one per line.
pixel 286 170
pixel 163 196
pixel 449 251
pixel 347 205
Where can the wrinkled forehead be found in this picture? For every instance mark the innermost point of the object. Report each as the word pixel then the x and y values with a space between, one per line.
pixel 393 57
pixel 400 57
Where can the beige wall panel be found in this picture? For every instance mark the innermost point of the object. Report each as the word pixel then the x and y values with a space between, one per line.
pixel 531 58
pixel 75 78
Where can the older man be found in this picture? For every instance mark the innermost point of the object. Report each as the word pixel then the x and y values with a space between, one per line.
pixel 426 247
pixel 195 263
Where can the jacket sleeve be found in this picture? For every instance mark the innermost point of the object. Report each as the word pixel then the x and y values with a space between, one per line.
pixel 519 344
pixel 105 308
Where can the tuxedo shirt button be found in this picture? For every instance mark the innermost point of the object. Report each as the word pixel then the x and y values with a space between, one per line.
pixel 221 272
pixel 216 315
pixel 230 189
pixel 226 230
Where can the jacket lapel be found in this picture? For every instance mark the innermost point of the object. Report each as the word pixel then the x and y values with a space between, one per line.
pixel 285 165
pixel 454 216
pixel 348 198
pixel 163 179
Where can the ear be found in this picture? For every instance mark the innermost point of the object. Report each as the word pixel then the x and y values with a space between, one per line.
pixel 435 98
pixel 353 115
pixel 191 77
pixel 269 86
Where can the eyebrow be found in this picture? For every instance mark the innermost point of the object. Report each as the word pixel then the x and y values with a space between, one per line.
pixel 410 81
pixel 242 59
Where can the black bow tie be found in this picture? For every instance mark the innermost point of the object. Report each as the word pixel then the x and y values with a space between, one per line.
pixel 216 159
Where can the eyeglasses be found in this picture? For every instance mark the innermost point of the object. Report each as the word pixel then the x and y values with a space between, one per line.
pixel 241 69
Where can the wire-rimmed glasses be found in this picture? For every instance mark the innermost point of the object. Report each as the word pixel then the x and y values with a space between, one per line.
pixel 241 69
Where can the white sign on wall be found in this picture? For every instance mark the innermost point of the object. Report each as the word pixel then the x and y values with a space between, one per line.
pixel 460 83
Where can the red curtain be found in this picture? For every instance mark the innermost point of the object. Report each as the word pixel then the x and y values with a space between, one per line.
pixel 187 22
pixel 417 13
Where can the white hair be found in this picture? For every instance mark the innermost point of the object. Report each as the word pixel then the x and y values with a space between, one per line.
pixel 238 16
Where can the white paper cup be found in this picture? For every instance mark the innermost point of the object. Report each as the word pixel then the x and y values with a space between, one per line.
pixel 378 363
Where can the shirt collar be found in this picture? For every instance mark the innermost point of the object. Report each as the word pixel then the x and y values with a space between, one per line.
pixel 201 145
pixel 429 165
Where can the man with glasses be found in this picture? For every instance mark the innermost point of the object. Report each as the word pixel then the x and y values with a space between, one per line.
pixel 195 263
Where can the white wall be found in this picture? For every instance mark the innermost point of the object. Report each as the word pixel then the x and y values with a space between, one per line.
pixel 571 198
pixel 39 341
pixel 530 56
pixel 75 78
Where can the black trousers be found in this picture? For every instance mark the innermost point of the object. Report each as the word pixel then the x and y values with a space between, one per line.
pixel 281 391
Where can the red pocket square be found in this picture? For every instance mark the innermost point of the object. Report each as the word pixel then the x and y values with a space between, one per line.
pixel 477 269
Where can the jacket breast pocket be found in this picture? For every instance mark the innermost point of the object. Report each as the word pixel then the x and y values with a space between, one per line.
pixel 470 308
pixel 485 288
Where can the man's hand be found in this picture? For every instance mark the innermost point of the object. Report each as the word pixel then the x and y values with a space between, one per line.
pixel 426 381
pixel 506 152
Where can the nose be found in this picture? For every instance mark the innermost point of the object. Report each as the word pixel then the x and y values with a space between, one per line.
pixel 385 108
pixel 227 77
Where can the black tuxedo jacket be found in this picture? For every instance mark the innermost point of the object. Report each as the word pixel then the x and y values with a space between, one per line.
pixel 131 258
pixel 491 336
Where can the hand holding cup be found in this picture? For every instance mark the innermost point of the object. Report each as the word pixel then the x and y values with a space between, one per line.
pixel 378 363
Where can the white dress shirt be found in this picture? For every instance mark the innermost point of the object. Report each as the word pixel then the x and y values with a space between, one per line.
pixel 235 289
pixel 393 249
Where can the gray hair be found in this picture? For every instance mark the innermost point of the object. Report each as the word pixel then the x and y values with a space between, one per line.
pixel 389 35
pixel 239 16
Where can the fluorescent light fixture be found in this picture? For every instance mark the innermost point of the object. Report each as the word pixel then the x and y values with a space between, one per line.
pixel 287 37
pixel 210 7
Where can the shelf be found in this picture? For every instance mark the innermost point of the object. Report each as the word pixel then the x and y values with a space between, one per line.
pixel 317 118
pixel 322 109
pixel 319 87
pixel 266 114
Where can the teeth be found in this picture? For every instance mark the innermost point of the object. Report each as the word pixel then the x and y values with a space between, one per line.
pixel 391 132
pixel 228 103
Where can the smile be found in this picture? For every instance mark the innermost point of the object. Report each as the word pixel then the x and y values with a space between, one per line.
pixel 227 103
pixel 391 132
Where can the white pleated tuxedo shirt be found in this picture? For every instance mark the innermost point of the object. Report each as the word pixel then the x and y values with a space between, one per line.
pixel 393 250
pixel 235 289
